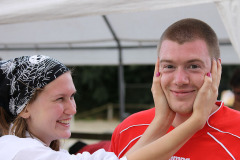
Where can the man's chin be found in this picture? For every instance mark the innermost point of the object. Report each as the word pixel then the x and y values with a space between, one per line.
pixel 182 109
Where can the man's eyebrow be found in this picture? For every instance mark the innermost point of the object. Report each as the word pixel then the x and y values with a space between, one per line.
pixel 188 61
pixel 166 60
pixel 195 60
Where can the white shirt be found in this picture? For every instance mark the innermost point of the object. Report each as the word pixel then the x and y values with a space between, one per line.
pixel 15 148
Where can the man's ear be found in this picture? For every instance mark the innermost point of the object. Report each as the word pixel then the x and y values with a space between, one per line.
pixel 25 113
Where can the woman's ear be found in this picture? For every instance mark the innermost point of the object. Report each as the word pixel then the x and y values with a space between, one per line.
pixel 25 113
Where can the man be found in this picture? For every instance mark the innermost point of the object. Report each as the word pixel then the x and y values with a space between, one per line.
pixel 186 50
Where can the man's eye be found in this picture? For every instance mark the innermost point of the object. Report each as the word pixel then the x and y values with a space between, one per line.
pixel 168 66
pixel 193 66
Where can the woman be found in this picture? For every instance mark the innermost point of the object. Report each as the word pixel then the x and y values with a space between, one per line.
pixel 37 105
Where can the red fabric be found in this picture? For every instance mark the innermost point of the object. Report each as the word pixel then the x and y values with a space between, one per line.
pixel 208 144
pixel 91 148
pixel 126 131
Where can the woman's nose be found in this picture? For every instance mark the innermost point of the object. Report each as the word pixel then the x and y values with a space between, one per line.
pixel 71 107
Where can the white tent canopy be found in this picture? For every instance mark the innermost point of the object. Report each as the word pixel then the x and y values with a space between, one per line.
pixel 75 32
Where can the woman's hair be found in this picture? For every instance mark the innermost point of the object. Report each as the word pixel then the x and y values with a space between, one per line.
pixel 5 120
pixel 188 30
pixel 18 126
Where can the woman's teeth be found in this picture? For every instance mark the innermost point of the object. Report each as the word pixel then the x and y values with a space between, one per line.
pixel 64 121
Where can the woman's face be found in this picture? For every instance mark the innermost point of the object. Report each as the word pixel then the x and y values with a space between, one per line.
pixel 48 117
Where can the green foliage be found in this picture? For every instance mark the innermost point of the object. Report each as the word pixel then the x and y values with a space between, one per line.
pixel 227 71
pixel 98 85
pixel 138 81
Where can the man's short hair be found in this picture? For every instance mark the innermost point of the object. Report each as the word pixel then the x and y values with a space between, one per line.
pixel 188 30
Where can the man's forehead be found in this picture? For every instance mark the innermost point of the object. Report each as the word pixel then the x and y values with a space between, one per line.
pixel 169 43
pixel 193 48
pixel 190 52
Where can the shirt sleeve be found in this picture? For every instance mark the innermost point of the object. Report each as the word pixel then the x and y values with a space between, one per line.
pixel 45 153
pixel 100 154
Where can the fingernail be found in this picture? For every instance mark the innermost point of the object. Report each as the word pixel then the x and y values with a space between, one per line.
pixel 209 74
pixel 157 74
pixel 220 60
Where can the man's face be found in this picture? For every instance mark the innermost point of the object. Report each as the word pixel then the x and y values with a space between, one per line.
pixel 183 67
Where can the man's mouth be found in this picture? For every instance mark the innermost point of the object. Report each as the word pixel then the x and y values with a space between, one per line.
pixel 182 92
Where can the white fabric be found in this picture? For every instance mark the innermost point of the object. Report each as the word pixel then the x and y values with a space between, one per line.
pixel 229 11
pixel 12 11
pixel 14 148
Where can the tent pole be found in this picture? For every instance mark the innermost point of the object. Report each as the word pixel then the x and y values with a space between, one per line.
pixel 120 72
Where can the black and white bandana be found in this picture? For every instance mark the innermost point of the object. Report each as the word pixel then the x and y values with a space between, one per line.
pixel 20 77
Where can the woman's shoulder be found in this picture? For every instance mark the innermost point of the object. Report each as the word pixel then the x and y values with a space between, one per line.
pixel 11 145
pixel 14 143
pixel 16 140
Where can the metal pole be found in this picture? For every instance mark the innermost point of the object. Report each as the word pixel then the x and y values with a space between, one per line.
pixel 120 72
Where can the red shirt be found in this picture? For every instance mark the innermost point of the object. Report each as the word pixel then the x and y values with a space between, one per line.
pixel 219 139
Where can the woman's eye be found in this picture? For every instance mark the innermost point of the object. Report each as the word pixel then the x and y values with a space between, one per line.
pixel 59 99
pixel 72 97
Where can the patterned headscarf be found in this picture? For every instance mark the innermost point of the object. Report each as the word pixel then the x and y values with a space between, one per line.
pixel 20 77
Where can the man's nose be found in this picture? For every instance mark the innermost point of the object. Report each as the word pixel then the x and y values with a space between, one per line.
pixel 181 77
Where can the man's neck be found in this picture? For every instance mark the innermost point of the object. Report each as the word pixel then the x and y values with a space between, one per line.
pixel 180 118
